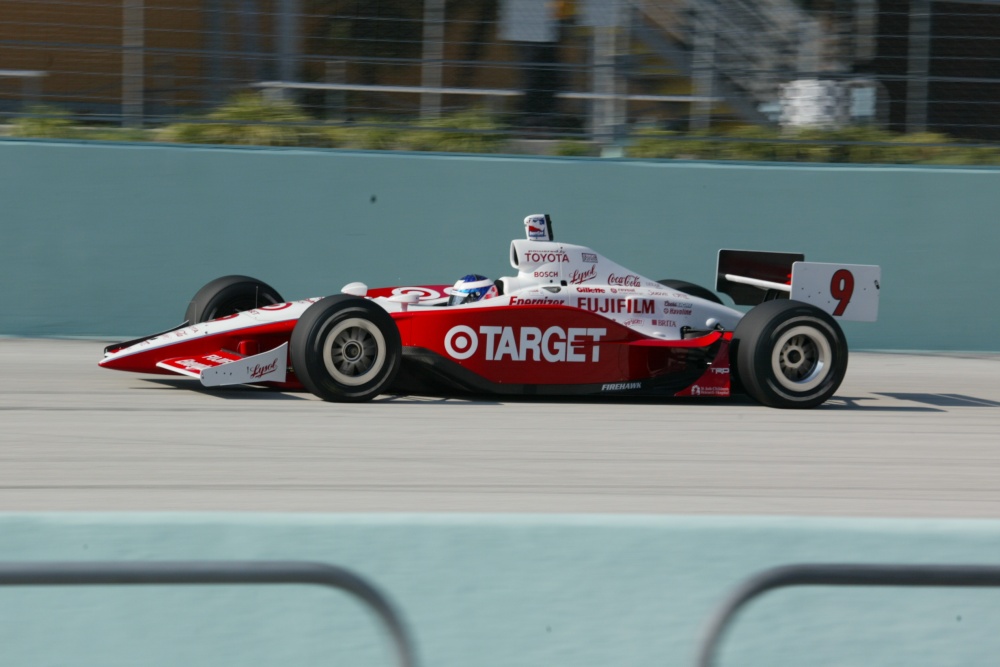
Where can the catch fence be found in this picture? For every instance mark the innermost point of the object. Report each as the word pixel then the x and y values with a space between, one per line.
pixel 770 78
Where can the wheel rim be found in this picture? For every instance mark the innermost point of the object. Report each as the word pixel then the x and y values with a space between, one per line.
pixel 354 351
pixel 801 359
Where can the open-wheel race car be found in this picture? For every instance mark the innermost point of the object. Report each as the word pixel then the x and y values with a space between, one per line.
pixel 570 322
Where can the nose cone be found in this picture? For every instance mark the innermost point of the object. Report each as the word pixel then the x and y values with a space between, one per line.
pixel 136 356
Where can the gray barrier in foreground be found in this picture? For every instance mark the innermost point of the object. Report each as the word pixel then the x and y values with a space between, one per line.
pixel 974 576
pixel 215 572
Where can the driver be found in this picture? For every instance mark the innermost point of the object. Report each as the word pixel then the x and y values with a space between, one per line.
pixel 472 287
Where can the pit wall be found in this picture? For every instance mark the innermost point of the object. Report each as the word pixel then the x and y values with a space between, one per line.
pixel 498 590
pixel 112 240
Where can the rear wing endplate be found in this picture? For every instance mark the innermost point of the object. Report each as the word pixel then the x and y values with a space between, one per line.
pixel 846 291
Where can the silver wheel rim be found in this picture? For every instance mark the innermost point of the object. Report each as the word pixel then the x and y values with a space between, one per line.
pixel 354 351
pixel 801 359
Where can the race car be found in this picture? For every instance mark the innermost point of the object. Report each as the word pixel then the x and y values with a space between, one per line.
pixel 571 322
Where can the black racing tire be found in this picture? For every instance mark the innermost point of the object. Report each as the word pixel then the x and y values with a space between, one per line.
pixel 229 295
pixel 346 349
pixel 789 354
pixel 691 288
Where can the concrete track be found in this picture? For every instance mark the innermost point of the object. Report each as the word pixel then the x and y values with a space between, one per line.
pixel 907 435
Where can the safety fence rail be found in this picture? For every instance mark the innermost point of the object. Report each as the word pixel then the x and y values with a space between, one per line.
pixel 125 573
pixel 836 574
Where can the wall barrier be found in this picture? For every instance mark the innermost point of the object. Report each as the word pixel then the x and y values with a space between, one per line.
pixel 112 240
pixel 497 590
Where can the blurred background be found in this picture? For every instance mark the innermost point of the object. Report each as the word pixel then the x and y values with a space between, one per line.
pixel 786 80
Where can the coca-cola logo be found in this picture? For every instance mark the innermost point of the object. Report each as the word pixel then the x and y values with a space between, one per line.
pixel 259 371
pixel 578 277
pixel 628 281
pixel 540 257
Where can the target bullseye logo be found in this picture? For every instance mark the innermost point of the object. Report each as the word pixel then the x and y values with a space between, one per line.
pixel 461 342
pixel 423 293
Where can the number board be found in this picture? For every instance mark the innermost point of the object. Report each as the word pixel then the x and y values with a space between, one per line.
pixel 847 291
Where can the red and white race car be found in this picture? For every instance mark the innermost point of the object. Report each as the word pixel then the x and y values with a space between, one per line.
pixel 570 322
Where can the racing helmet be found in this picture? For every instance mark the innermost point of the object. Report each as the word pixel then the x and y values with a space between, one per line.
pixel 472 287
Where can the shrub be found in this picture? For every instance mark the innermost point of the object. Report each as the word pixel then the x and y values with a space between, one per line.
pixel 248 119
pixel 464 132
pixel 44 122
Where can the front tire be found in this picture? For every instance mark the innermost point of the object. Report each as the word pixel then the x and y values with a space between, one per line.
pixel 789 354
pixel 229 295
pixel 345 348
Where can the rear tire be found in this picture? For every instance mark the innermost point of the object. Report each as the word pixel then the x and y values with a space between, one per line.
pixel 229 295
pixel 789 354
pixel 346 349
pixel 691 288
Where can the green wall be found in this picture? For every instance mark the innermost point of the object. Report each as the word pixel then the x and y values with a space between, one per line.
pixel 497 591
pixel 113 240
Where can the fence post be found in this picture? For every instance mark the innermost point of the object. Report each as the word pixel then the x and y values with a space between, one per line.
pixel 133 72
pixel 431 68
pixel 918 66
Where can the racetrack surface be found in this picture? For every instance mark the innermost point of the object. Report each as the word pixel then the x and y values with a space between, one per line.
pixel 906 435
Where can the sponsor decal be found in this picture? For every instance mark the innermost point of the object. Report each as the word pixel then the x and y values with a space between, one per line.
pixel 578 277
pixel 665 323
pixel 277 306
pixel 590 258
pixel 545 257
pixel 625 281
pixel 676 308
pixel 591 290
pixel 259 371
pixel 217 359
pixel 619 305
pixel 192 365
pixel 633 322
pixel 521 301
pixel 621 386
pixel 622 290
pixel 719 371
pixel 546 274
pixel 537 227
pixel 553 345
pixel 697 390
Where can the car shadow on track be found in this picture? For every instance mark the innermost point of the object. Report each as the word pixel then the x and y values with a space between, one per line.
pixel 927 402
pixel 924 402
pixel 238 391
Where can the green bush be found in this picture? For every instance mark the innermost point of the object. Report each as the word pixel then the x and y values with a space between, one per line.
pixel 368 134
pixel 255 119
pixel 250 119
pixel 573 148
pixel 463 132
pixel 44 122
pixel 856 145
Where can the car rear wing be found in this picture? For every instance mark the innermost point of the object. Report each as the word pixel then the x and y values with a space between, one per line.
pixel 846 291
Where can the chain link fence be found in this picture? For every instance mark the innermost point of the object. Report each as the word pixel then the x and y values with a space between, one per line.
pixel 833 80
